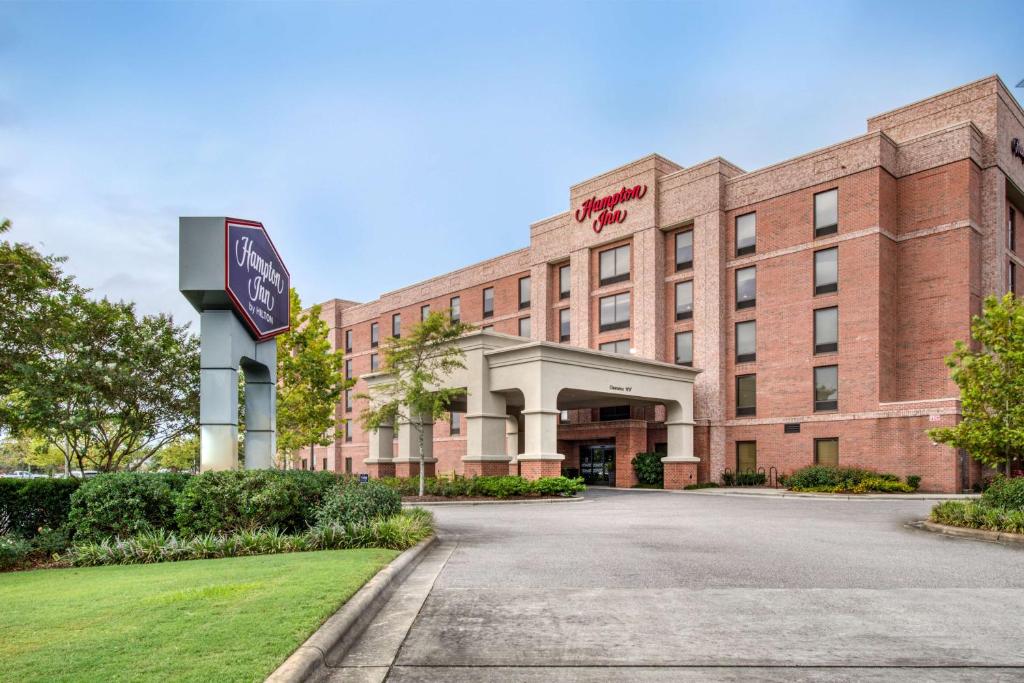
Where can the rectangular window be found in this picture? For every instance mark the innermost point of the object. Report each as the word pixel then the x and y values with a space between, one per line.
pixel 564 282
pixel 684 300
pixel 684 348
pixel 424 312
pixel 524 327
pixel 488 302
pixel 826 452
pixel 563 417
pixel 746 395
pixel 746 341
pixel 826 270
pixel 374 362
pixel 348 465
pixel 826 330
pixel 563 325
pixel 324 465
pixel 348 341
pixel 620 346
pixel 1011 277
pixel 746 233
pixel 455 423
pixel 348 368
pixel 746 456
pixel 304 465
pixel 456 308
pixel 614 265
pixel 348 401
pixel 614 312
pixel 524 292
pixel 374 335
pixel 610 413
pixel 684 250
pixel 746 287
pixel 826 213
pixel 1011 230
pixel 396 325
pixel 348 431
pixel 826 387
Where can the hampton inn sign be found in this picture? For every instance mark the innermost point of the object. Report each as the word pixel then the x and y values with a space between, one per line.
pixel 605 207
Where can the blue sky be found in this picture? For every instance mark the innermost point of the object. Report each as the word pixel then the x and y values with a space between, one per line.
pixel 383 143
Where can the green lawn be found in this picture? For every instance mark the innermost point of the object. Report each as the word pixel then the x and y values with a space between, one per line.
pixel 233 619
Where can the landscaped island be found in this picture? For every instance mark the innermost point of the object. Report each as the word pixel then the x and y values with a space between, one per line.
pixel 1000 508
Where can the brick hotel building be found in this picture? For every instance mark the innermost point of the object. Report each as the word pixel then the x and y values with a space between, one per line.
pixel 817 297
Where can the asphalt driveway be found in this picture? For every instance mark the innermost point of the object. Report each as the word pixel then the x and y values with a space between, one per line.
pixel 667 586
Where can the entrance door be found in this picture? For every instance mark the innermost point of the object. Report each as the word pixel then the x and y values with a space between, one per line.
pixel 597 464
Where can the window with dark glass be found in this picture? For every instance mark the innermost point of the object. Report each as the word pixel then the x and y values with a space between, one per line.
pixel 524 292
pixel 563 325
pixel 614 312
pixel 826 213
pixel 746 341
pixel 826 387
pixel 826 270
pixel 455 423
pixel 684 300
pixel 396 325
pixel 374 335
pixel 456 307
pixel 746 395
pixel 620 346
pixel 488 302
pixel 524 327
pixel 424 312
pixel 609 413
pixel 348 401
pixel 348 465
pixel 746 456
pixel 746 287
pixel 1011 278
pixel 348 431
pixel 746 233
pixel 614 265
pixel 324 461
pixel 1011 229
pixel 348 341
pixel 684 250
pixel 374 363
pixel 348 368
pixel 684 348
pixel 564 282
pixel 826 330
pixel 826 452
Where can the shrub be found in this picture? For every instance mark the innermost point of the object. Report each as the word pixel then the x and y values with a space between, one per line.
pixel 26 505
pixel 232 501
pixel 13 551
pixel 649 468
pixel 355 503
pixel 558 486
pixel 493 487
pixel 743 478
pixel 1005 493
pixel 123 504
pixel 826 479
pixel 704 485
pixel 976 514
pixel 914 481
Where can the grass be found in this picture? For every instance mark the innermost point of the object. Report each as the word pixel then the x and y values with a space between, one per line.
pixel 233 619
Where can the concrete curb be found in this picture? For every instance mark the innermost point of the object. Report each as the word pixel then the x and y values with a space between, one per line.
pixel 837 496
pixel 506 501
pixel 342 628
pixel 975 534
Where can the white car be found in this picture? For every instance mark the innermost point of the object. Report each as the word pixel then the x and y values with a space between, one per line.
pixel 21 474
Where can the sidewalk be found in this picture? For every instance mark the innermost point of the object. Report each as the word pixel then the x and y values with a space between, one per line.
pixel 785 493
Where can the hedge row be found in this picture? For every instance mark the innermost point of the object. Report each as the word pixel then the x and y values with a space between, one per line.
pixel 490 487
pixel 26 505
pixel 1000 508
pixel 825 479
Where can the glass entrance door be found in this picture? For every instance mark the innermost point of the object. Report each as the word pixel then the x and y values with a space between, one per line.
pixel 597 464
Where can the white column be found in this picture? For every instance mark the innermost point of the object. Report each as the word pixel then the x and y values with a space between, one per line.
pixel 382 445
pixel 409 440
pixel 679 425
pixel 485 413
pixel 218 391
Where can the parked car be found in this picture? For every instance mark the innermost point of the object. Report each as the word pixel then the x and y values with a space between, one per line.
pixel 21 474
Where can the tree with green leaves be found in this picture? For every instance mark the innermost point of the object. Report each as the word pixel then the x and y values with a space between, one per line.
pixel 180 455
pixel 417 365
pixel 990 374
pixel 310 382
pixel 28 451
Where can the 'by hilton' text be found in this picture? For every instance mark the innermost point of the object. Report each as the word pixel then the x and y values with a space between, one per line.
pixel 603 211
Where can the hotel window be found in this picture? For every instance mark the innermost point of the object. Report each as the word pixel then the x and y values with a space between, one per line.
pixel 488 302
pixel 614 312
pixel 524 292
pixel 348 341
pixel 424 312
pixel 374 362
pixel 613 413
pixel 614 265
pixel 746 287
pixel 746 395
pixel 684 300
pixel 826 330
pixel 826 452
pixel 348 401
pixel 1011 230
pixel 324 467
pixel 826 387
pixel 826 270
pixel 826 213
pixel 563 325
pixel 454 423
pixel 684 348
pixel 563 417
pixel 348 368
pixel 684 250
pixel 746 456
pixel 396 325
pixel 746 233
pixel 456 308
pixel 374 335
pixel 620 346
pixel 746 341
pixel 348 431
pixel 348 465
pixel 564 282
pixel 524 327
pixel 1011 277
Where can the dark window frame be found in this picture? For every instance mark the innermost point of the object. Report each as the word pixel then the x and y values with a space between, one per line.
pixel 1012 229
pixel 620 277
pixel 823 440
pixel 831 287
pixel 348 341
pixel 749 303
pixel 487 313
pixel 744 357
pixel 454 423
pixel 564 293
pixel 614 413
pixel 824 230
pixel 374 362
pixel 564 336
pixel 823 406
pixel 745 411
pixel 348 400
pixel 524 304
pixel 675 339
pixel 348 368
pixel 746 442
pixel 832 347
pixel 455 308
pixel 396 330
pixel 616 342
pixel 751 249
pixel 684 315
pixel 618 324
pixel 519 327
pixel 374 335
pixel 683 265
pixel 1012 280
pixel 424 312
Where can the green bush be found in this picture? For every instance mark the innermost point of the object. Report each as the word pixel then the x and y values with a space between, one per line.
pixel 123 504
pixel 649 469
pixel 491 487
pixel 704 485
pixel 1005 493
pixel 232 501
pixel 826 479
pixel 355 503
pixel 914 481
pixel 743 478
pixel 13 551
pixel 977 514
pixel 27 505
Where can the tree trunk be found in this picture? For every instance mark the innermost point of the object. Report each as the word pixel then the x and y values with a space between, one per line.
pixel 422 479
pixel 312 458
